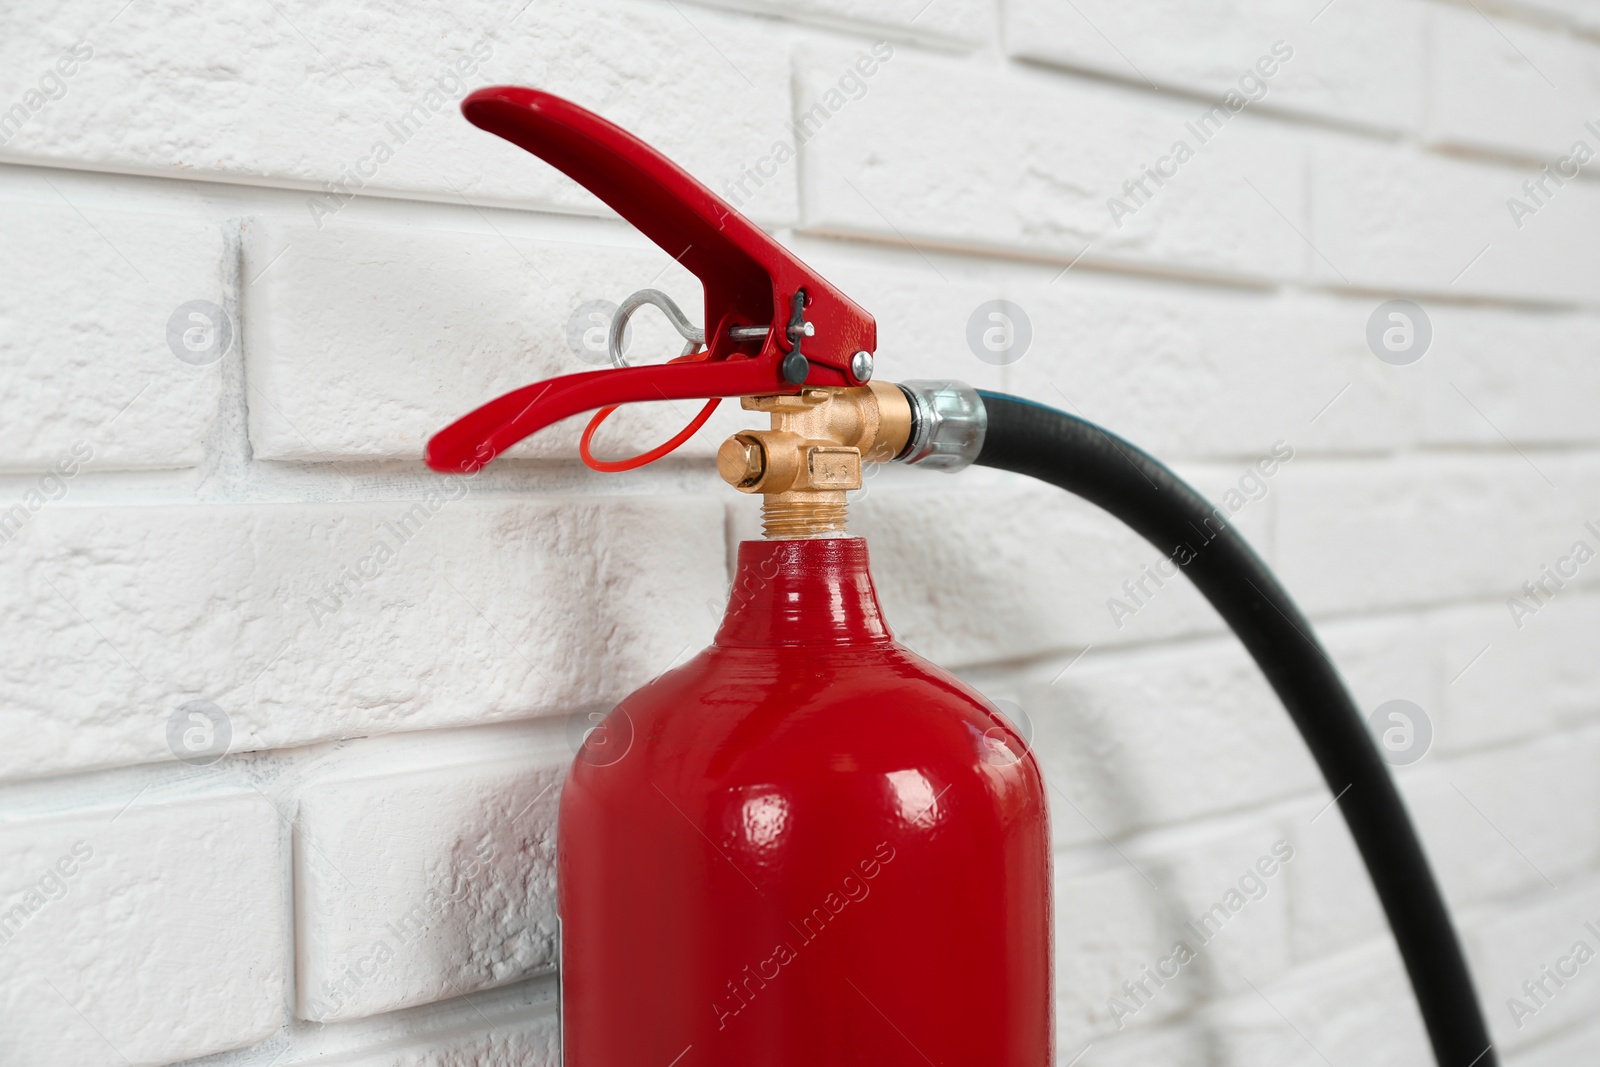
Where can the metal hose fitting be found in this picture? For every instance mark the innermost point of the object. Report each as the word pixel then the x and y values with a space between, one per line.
pixel 948 424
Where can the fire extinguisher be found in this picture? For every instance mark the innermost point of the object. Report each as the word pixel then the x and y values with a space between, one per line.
pixel 807 845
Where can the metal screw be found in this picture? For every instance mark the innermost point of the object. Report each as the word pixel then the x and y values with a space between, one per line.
pixel 861 366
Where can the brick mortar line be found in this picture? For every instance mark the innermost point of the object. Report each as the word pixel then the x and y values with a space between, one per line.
pixel 975 255
pixel 175 487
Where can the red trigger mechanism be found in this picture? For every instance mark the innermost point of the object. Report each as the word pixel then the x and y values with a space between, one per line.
pixel 772 324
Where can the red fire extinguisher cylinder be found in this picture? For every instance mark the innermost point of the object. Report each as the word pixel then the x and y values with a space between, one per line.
pixel 806 845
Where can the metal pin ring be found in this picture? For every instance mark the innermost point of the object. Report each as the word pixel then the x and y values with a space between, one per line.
pixel 692 336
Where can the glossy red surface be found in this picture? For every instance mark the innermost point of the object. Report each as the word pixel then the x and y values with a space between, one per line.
pixel 749 280
pixel 805 847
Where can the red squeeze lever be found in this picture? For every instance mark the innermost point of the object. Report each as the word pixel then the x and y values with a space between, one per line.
pixel 750 281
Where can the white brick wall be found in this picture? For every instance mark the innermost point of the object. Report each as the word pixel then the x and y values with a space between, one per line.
pixel 86 306
pixel 229 320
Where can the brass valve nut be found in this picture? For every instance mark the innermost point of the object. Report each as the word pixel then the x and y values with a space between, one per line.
pixel 774 461
pixel 742 462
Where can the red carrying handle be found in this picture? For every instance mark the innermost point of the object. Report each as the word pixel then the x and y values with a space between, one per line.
pixel 749 280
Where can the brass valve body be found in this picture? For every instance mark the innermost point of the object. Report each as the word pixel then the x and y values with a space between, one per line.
pixel 811 457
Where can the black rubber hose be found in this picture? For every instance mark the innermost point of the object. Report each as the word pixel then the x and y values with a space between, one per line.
pixel 1078 456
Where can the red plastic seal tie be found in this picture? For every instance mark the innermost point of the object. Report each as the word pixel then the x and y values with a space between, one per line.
pixel 609 466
